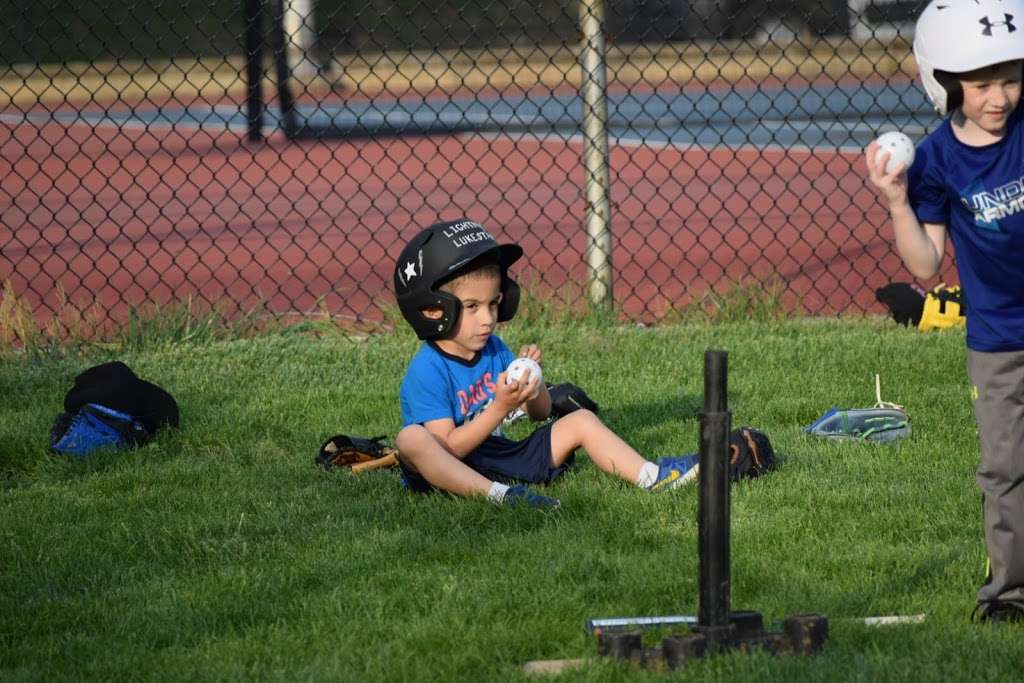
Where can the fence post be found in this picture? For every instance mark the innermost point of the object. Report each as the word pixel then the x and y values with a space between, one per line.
pixel 278 42
pixel 300 34
pixel 254 67
pixel 595 152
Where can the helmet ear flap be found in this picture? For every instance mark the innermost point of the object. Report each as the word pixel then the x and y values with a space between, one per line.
pixel 509 300
pixel 435 328
pixel 451 310
pixel 428 328
pixel 954 91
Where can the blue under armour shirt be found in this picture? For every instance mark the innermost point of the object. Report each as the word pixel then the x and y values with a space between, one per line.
pixel 978 193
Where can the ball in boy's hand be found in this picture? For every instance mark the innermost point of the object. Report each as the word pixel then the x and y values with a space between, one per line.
pixel 518 369
pixel 900 149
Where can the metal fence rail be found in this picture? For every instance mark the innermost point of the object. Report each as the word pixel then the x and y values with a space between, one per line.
pixel 651 156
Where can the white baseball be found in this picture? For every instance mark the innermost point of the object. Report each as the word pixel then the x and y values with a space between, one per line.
pixel 518 369
pixel 900 149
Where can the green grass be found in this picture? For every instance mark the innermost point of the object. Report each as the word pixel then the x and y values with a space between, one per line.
pixel 219 551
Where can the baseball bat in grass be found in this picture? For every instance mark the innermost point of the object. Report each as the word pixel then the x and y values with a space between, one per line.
pixel 597 626
pixel 554 666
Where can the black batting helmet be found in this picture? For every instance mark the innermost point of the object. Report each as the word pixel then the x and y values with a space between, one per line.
pixel 439 253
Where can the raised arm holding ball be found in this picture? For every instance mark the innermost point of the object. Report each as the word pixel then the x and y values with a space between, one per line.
pixel 967 180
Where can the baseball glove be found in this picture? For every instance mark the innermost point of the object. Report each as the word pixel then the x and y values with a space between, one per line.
pixel 567 397
pixel 356 453
pixel 750 454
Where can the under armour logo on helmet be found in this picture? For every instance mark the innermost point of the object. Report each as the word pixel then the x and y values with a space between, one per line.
pixel 989 24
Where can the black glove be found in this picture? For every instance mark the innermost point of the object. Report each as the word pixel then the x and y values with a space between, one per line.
pixel 750 454
pixel 567 397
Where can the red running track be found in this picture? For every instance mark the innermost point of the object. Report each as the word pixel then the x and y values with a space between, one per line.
pixel 117 217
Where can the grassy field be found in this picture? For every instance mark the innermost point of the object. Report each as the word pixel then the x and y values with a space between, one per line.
pixel 219 552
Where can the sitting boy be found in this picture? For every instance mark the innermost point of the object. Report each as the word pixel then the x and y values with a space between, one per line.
pixel 453 288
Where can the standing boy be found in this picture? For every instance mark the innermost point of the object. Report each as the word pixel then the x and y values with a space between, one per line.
pixel 968 180
pixel 453 288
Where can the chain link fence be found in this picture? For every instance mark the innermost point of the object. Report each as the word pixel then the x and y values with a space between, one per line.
pixel 649 155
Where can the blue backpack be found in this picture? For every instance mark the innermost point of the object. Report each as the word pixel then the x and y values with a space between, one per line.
pixel 110 407
pixel 95 426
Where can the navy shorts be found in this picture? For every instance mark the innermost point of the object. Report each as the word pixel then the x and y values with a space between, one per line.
pixel 501 459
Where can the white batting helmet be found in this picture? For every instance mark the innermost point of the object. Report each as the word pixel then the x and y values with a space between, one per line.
pixel 956 36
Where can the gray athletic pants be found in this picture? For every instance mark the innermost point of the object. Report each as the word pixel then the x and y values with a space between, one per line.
pixel 998 378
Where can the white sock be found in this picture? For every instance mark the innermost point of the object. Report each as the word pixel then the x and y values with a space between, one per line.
pixel 497 492
pixel 648 475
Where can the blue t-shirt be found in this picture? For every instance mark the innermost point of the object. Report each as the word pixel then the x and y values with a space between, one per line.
pixel 978 193
pixel 438 385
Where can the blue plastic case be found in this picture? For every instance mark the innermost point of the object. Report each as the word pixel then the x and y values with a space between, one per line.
pixel 865 424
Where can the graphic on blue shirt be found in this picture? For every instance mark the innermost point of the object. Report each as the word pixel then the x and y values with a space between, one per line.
pixel 990 206
pixel 438 386
pixel 987 207
pixel 978 194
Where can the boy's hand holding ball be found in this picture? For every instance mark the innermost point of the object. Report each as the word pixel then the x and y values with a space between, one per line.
pixel 900 149
pixel 522 382
pixel 523 370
